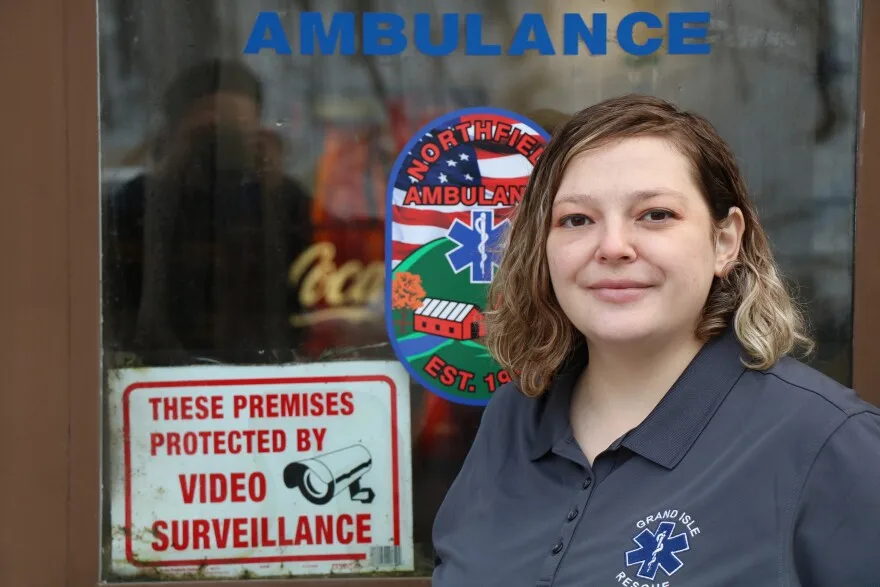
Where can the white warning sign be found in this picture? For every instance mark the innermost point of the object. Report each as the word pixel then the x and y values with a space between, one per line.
pixel 221 471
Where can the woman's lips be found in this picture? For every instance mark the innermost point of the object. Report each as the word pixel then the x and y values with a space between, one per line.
pixel 619 291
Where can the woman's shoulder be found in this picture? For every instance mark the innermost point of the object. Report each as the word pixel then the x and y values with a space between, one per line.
pixel 836 511
pixel 511 418
pixel 799 384
pixel 822 418
pixel 510 404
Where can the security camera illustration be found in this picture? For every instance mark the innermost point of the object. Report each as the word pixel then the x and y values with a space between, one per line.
pixel 323 477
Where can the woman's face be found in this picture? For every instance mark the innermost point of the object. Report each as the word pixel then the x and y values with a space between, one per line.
pixel 631 249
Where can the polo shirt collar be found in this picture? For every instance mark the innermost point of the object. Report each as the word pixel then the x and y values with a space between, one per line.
pixel 671 429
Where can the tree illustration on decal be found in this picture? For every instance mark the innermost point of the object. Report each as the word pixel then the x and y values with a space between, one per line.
pixel 407 294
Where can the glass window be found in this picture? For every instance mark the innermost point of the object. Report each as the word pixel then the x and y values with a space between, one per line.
pixel 244 211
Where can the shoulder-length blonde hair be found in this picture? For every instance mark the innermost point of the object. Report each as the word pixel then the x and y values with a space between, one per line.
pixel 527 331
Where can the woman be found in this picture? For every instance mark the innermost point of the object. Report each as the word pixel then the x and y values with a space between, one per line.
pixel 690 450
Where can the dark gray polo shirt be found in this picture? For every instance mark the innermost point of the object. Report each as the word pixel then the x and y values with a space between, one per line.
pixel 738 477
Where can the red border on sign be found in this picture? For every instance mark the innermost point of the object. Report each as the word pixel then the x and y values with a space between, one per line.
pixel 126 439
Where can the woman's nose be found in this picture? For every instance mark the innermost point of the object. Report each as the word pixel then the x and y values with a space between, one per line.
pixel 615 243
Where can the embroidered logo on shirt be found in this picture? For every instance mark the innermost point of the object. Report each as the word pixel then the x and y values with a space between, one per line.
pixel 661 539
pixel 658 550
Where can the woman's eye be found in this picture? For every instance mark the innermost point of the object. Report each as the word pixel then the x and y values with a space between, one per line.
pixel 657 215
pixel 573 220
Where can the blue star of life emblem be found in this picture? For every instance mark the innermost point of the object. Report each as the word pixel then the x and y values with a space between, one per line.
pixel 657 550
pixel 477 245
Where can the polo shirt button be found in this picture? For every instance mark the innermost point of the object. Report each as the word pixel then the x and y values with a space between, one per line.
pixel 557 548
pixel 572 514
pixel 587 482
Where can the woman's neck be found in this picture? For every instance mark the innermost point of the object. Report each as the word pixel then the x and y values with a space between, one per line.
pixel 622 385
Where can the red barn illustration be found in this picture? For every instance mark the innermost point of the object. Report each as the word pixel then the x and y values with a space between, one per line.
pixel 449 319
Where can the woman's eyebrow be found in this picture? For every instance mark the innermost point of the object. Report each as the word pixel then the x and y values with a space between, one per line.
pixel 638 196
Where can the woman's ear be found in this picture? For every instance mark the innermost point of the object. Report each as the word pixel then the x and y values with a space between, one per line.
pixel 728 241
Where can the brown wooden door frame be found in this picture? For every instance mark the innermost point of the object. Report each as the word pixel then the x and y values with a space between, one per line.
pixel 34 296
pixel 50 373
pixel 866 287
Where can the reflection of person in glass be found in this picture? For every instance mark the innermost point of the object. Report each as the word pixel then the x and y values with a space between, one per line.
pixel 659 430
pixel 204 240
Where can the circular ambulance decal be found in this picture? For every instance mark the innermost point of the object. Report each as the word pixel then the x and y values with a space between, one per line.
pixel 449 196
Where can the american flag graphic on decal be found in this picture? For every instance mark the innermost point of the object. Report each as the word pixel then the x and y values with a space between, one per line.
pixel 451 191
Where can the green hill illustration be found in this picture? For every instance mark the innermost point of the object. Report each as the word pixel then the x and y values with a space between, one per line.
pixel 437 321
